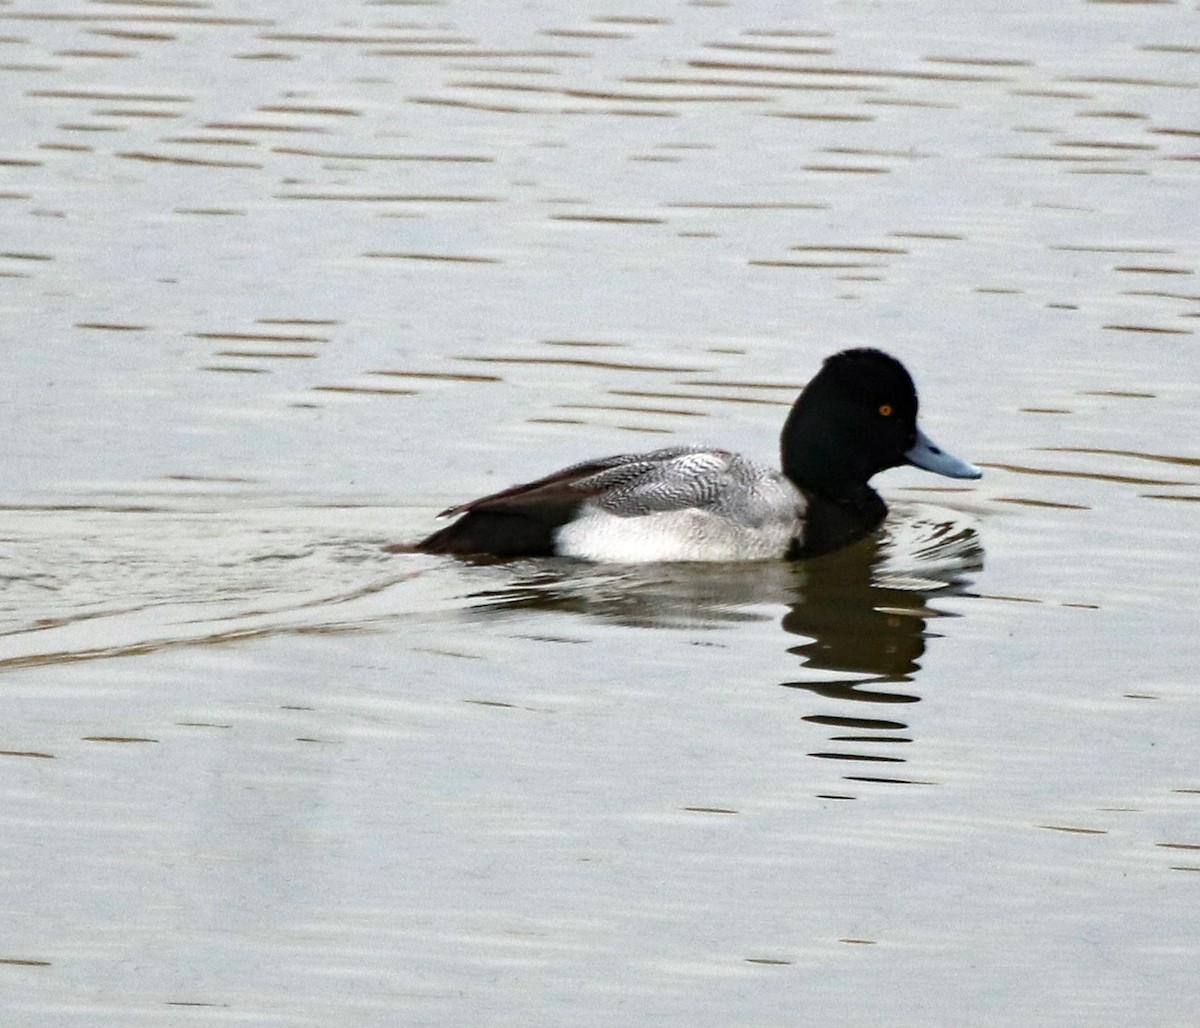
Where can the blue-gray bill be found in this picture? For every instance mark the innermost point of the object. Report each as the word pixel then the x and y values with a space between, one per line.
pixel 925 454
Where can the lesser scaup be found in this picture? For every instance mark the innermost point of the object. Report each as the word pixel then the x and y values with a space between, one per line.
pixel 857 417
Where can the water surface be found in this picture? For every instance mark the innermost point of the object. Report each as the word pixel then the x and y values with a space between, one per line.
pixel 280 285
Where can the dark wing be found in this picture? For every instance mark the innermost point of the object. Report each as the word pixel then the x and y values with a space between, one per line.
pixel 521 520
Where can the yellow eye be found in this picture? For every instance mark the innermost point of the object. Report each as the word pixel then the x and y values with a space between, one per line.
pixel 885 409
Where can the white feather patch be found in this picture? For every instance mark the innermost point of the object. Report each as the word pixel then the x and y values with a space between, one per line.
pixel 677 535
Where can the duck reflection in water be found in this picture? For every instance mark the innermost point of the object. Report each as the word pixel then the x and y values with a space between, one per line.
pixel 859 618
pixel 863 610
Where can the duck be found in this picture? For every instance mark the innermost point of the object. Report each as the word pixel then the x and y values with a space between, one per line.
pixel 855 418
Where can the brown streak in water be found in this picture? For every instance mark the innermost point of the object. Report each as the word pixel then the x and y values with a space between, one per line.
pixel 355 156
pixel 133 112
pixel 110 327
pixel 436 257
pixel 1074 830
pixel 813 265
pixel 362 39
pixel 631 20
pixel 344 112
pixel 266 355
pixel 1190 298
pixel 858 151
pixel 143 37
pixel 675 412
pixel 697 80
pixel 472 106
pixel 449 376
pixel 513 87
pixel 1116 80
pixel 365 390
pixel 508 69
pixel 166 19
pixel 983 62
pixel 577 362
pixel 714 205
pixel 1158 457
pixel 258 337
pixel 262 126
pixel 524 54
pixel 787 33
pixel 647 394
pixel 1056 158
pixel 1022 501
pixel 116 738
pixel 227 479
pixel 786 386
pixel 1104 146
pixel 209 140
pixel 1167 496
pixel 1187 133
pixel 609 219
pixel 1123 393
pixel 389 197
pixel 27 753
pixel 1149 328
pixel 1136 269
pixel 193 161
pixel 1092 475
pixel 845 169
pixel 896 102
pixel 602 34
pixel 778 48
pixel 848 249
pixel 621 112
pixel 814 116
pixel 1083 248
pixel 586 94
pixel 805 69
pixel 1100 170
pixel 83 94
pixel 116 55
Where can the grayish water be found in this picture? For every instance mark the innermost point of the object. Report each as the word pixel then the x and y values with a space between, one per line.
pixel 278 285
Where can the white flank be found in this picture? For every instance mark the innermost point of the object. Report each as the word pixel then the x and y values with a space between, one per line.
pixel 677 535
